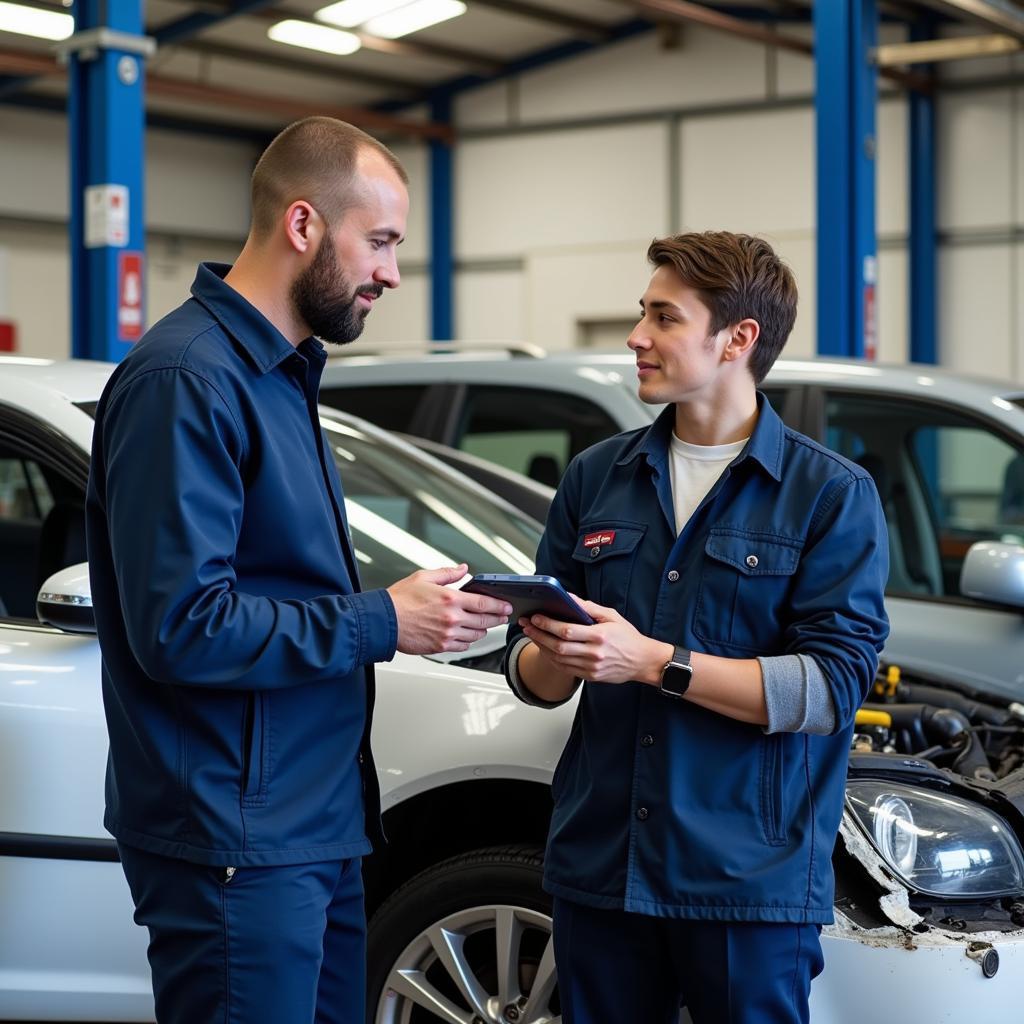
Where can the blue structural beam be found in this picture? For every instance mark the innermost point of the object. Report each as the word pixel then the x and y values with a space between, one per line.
pixel 106 122
pixel 442 256
pixel 845 31
pixel 923 247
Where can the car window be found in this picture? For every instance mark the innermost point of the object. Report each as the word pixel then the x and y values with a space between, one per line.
pixel 32 539
pixel 405 514
pixel 974 482
pixel 391 406
pixel 24 492
pixel 945 480
pixel 530 430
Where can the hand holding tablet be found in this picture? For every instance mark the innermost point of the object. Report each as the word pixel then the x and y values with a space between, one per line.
pixel 530 595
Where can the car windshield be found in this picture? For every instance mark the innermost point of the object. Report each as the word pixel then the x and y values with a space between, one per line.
pixel 406 514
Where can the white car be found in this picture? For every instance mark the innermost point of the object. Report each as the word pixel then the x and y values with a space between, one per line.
pixel 930 866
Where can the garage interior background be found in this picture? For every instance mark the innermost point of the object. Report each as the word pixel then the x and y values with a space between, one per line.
pixel 563 174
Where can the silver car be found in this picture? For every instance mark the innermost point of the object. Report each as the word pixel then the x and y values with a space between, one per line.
pixel 946 452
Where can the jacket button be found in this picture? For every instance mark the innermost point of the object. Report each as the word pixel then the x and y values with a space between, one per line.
pixel 647 741
pixel 752 561
pixel 641 813
pixel 595 551
pixel 672 576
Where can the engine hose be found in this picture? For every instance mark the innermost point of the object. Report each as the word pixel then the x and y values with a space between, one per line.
pixel 976 711
pixel 973 762
pixel 921 725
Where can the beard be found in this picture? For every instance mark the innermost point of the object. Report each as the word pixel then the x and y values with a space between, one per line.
pixel 326 301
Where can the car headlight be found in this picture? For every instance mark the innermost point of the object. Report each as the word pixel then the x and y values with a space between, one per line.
pixel 938 844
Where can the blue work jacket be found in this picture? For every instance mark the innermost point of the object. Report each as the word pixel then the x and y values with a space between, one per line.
pixel 665 808
pixel 237 648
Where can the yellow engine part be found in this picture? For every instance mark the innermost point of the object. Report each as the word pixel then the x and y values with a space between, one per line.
pixel 882 718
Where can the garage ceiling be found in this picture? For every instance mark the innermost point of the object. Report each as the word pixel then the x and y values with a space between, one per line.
pixel 216 69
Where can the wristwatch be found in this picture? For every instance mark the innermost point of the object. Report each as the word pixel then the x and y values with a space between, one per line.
pixel 676 675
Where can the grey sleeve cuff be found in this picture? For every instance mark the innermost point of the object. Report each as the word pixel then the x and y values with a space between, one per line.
pixel 519 688
pixel 797 695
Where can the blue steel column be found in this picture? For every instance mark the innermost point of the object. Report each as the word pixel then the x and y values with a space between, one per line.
pixel 107 123
pixel 442 259
pixel 923 243
pixel 845 99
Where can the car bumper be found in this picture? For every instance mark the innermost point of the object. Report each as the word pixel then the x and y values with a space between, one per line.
pixel 892 974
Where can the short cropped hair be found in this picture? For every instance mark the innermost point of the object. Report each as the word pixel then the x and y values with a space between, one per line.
pixel 313 159
pixel 737 277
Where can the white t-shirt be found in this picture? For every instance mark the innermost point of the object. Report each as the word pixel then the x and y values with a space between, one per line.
pixel 693 470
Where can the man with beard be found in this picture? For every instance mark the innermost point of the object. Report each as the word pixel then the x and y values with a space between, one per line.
pixel 237 647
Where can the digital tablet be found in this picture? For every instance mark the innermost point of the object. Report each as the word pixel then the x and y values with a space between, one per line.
pixel 530 595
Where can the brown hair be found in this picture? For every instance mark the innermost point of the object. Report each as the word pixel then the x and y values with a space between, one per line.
pixel 737 277
pixel 313 159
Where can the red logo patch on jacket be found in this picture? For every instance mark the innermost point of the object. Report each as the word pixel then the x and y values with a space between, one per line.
pixel 603 538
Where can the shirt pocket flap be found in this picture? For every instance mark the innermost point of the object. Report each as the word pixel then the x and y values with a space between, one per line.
pixel 599 541
pixel 754 554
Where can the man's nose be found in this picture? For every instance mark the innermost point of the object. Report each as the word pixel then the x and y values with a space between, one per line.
pixel 387 273
pixel 638 337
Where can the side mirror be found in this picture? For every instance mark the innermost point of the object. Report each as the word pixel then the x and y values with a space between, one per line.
pixel 65 600
pixel 994 572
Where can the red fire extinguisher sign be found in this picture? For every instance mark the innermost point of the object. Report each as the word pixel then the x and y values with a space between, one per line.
pixel 129 296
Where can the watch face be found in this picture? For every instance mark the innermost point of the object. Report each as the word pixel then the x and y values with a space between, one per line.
pixel 675 680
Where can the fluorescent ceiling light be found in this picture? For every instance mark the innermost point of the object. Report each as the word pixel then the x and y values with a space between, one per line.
pixel 313 37
pixel 30 21
pixel 349 13
pixel 413 17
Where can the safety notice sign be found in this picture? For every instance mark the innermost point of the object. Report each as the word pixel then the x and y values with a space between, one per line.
pixel 129 296
pixel 106 216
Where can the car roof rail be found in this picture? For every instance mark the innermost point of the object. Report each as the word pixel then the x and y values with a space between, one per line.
pixel 515 349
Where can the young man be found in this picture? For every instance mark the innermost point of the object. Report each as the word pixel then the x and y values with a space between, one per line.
pixel 735 569
pixel 237 647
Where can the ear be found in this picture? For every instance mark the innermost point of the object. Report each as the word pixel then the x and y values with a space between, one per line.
pixel 742 337
pixel 303 227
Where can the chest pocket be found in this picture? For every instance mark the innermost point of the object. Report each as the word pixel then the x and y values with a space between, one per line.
pixel 608 552
pixel 744 584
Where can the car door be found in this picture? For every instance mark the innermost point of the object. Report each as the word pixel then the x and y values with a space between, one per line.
pixel 946 478
pixel 68 947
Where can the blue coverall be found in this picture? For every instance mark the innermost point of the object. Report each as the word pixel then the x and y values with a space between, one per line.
pixel 707 841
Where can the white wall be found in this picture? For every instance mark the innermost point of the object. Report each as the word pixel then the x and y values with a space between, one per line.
pixel 562 177
pixel 736 160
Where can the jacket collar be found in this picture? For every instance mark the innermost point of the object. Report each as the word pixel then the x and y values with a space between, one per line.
pixel 262 341
pixel 764 446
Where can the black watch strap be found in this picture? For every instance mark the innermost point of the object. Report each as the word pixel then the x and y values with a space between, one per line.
pixel 676 675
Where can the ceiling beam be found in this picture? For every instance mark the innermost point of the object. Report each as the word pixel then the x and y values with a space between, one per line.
pixel 998 14
pixel 163 87
pixel 929 51
pixel 687 12
pixel 191 24
pixel 292 110
pixel 584 27
pixel 431 51
pixel 216 11
pixel 306 65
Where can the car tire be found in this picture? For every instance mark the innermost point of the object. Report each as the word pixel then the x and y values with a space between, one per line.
pixel 467 940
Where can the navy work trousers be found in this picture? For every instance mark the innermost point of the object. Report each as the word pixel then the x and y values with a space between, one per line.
pixel 276 945
pixel 615 967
